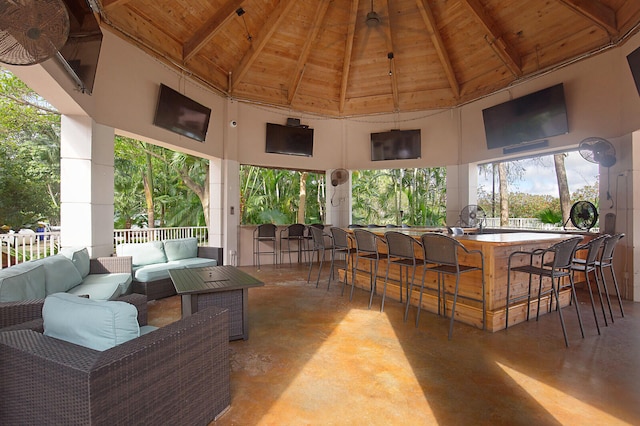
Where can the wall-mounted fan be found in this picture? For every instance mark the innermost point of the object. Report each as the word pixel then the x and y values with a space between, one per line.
pixel 472 216
pixel 32 31
pixel 339 176
pixel 583 215
pixel 598 150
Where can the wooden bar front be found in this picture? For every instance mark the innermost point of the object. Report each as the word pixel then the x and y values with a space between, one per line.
pixel 496 248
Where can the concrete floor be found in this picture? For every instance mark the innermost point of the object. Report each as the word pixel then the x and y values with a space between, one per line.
pixel 314 358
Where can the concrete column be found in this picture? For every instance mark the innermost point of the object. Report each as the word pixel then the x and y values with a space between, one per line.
pixel 462 189
pixel 86 184
pixel 338 202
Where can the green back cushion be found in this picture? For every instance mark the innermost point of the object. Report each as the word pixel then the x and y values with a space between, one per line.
pixel 143 253
pixel 80 258
pixel 60 274
pixel 182 248
pixel 22 282
pixel 94 324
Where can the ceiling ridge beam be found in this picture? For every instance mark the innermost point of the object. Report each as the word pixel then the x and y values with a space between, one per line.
pixel 267 30
pixel 320 12
pixel 598 13
pixel 386 29
pixel 348 52
pixel 506 53
pixel 438 43
pixel 210 28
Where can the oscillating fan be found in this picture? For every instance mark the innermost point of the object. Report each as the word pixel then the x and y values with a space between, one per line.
pixel 472 216
pixel 339 176
pixel 32 31
pixel 583 215
pixel 599 151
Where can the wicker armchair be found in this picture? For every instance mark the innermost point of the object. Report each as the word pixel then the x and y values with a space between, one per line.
pixel 14 313
pixel 178 374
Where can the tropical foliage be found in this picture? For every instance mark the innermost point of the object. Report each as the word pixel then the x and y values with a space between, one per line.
pixel 274 196
pixel 29 156
pixel 407 196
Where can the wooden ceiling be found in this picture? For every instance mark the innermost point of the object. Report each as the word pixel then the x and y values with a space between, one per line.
pixel 337 58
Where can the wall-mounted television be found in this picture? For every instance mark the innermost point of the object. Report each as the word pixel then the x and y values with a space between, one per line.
pixel 396 145
pixel 181 114
pixel 531 117
pixel 80 53
pixel 290 140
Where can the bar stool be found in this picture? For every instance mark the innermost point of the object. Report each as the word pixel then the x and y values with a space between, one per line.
pixel 319 244
pixel 367 248
pixel 401 251
pixel 588 265
pixel 265 234
pixel 606 261
pixel 559 267
pixel 343 243
pixel 442 251
pixel 294 232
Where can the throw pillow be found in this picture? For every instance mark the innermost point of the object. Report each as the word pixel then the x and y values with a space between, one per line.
pixel 182 248
pixel 80 258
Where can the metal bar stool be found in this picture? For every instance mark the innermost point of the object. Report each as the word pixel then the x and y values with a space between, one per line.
pixel 559 268
pixel 606 261
pixel 441 251
pixel 367 248
pixel 588 265
pixel 294 232
pixel 343 243
pixel 319 244
pixel 401 251
pixel 265 234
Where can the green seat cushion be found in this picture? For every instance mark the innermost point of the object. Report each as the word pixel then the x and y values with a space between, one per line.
pixel 181 248
pixel 123 280
pixel 143 253
pixel 25 281
pixel 195 262
pixel 80 258
pixel 60 274
pixel 108 290
pixel 98 325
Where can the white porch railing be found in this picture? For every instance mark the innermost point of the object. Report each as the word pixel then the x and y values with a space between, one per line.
pixel 527 223
pixel 159 234
pixel 17 248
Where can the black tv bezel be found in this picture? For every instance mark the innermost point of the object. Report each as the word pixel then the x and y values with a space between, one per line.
pixel 166 113
pixel 521 113
pixel 278 147
pixel 391 139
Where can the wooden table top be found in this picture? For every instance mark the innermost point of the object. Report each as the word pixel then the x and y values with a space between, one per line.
pixel 211 279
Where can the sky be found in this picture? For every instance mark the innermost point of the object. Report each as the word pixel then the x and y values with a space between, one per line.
pixel 540 179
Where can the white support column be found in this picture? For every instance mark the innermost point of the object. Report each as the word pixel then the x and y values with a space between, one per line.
pixel 462 189
pixel 338 205
pixel 86 184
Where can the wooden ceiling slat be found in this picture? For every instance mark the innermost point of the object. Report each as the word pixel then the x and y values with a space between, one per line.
pixel 597 12
pixel 111 4
pixel 210 28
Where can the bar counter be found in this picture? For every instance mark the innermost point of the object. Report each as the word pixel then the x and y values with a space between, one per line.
pixel 496 248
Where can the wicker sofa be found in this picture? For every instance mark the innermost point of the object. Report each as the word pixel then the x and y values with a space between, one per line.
pixel 177 374
pixel 17 310
pixel 153 260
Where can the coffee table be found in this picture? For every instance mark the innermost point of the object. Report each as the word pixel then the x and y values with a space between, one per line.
pixel 222 286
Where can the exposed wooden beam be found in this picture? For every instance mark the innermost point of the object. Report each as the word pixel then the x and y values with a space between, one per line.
pixel 386 29
pixel 348 51
pixel 109 4
pixel 206 32
pixel 321 10
pixel 269 27
pixel 601 14
pixel 441 50
pixel 494 37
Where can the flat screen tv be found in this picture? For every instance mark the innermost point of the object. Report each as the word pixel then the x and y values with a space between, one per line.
pixel 529 118
pixel 181 114
pixel 80 53
pixel 396 145
pixel 290 140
